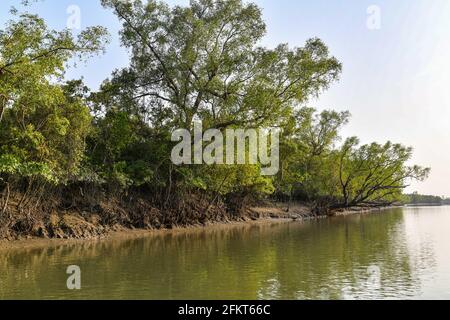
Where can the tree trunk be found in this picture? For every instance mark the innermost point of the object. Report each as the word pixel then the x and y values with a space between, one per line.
pixel 3 101
pixel 5 204
pixel 2 110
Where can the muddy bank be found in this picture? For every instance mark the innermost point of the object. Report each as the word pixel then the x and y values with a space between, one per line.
pixel 274 213
pixel 363 210
pixel 132 234
pixel 94 215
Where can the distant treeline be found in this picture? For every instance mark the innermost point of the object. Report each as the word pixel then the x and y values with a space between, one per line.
pixel 418 199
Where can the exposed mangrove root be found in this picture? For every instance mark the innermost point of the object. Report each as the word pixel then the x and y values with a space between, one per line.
pixel 85 212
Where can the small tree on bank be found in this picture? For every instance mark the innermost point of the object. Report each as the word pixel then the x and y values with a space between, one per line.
pixel 375 174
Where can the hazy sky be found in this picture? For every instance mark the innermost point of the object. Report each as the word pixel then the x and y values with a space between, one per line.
pixel 395 82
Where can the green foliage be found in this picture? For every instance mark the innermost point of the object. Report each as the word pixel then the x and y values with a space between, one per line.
pixel 42 127
pixel 314 167
pixel 307 156
pixel 375 173
pixel 114 133
pixel 201 62
pixel 420 199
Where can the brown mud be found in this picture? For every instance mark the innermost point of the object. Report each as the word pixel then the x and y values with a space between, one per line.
pixel 96 216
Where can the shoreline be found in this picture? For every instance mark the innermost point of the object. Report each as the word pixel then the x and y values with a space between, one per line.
pixel 365 210
pixel 268 216
pixel 131 234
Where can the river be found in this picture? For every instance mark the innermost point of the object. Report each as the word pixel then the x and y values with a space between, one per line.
pixel 397 254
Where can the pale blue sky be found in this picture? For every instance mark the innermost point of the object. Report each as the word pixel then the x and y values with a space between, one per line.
pixel 396 80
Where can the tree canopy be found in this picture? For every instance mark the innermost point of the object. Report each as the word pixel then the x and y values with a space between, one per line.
pixel 201 62
pixel 42 127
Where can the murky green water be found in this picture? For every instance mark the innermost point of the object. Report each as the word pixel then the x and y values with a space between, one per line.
pixel 402 253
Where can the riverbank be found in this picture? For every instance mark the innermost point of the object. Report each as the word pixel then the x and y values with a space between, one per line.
pixel 93 214
pixel 133 234
pixel 266 213
pixel 363 210
pixel 94 230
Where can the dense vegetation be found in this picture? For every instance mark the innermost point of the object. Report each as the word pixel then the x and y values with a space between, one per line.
pixel 106 155
pixel 420 199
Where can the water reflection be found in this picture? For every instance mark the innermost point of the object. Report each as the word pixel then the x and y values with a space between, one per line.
pixel 379 256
